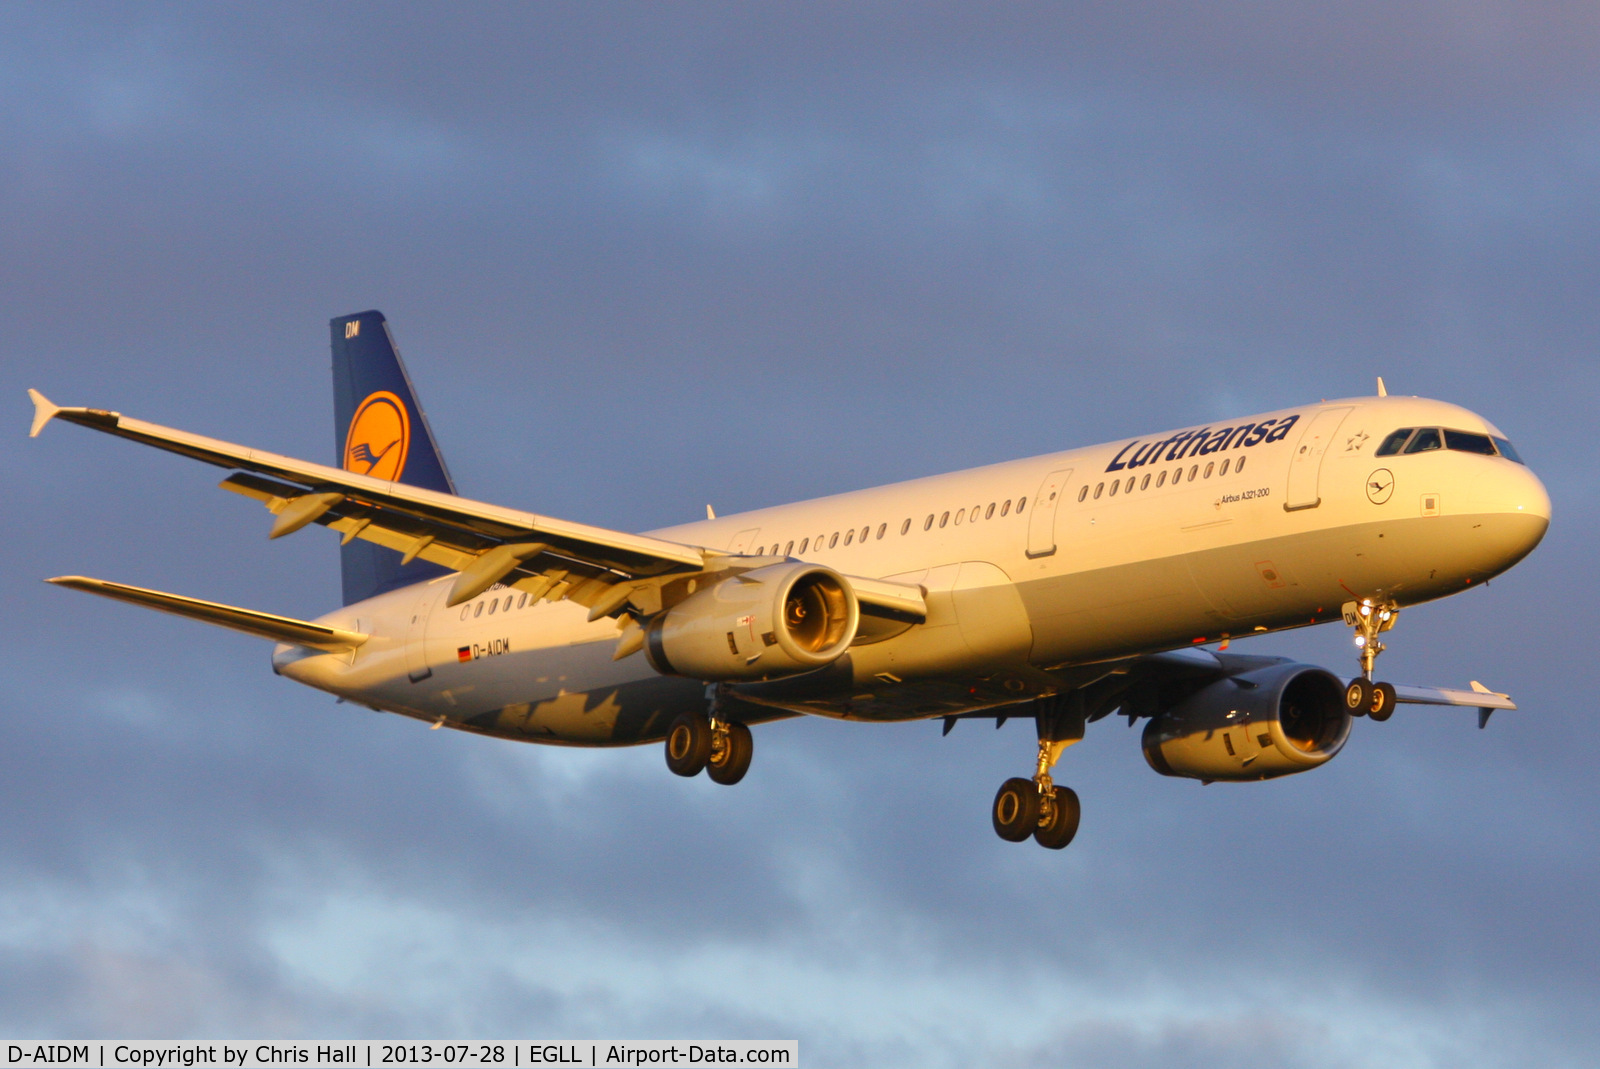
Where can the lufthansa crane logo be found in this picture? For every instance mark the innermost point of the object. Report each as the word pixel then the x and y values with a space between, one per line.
pixel 1380 484
pixel 379 437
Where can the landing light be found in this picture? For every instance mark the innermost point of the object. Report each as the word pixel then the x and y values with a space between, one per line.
pixel 1361 640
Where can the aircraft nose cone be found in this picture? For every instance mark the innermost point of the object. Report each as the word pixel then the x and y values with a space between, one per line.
pixel 1525 508
pixel 1531 497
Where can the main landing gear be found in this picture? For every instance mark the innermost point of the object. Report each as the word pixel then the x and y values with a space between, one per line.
pixel 1370 618
pixel 1037 807
pixel 722 748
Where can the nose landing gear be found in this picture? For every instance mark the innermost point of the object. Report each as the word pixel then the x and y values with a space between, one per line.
pixel 1037 807
pixel 1370 618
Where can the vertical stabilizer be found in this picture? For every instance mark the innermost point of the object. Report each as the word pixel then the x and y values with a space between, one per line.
pixel 380 430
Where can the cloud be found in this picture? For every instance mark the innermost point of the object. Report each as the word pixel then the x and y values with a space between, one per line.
pixel 639 260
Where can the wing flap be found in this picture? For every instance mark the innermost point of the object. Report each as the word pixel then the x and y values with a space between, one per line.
pixel 259 624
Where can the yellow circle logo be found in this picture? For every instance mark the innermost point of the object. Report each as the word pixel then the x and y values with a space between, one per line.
pixel 379 437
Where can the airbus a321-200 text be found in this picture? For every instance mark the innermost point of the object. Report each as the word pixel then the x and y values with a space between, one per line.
pixel 1063 588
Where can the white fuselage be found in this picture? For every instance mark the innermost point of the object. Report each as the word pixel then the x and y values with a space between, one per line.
pixel 1067 559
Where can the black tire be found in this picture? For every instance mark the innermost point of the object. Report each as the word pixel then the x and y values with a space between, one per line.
pixel 688 744
pixel 1063 823
pixel 735 757
pixel 1383 700
pixel 1358 696
pixel 1016 810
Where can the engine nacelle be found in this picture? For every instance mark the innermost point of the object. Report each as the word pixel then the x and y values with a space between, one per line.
pixel 1273 721
pixel 771 622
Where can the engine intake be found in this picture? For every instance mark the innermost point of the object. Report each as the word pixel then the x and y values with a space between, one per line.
pixel 1271 722
pixel 771 622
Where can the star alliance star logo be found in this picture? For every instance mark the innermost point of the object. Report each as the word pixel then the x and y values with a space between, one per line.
pixel 1354 443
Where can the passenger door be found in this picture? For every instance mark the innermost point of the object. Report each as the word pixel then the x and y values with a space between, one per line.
pixel 1306 464
pixel 1042 521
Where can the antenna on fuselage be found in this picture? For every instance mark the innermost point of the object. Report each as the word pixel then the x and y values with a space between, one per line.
pixel 1383 391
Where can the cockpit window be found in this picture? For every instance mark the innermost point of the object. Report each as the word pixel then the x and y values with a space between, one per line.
pixel 1427 438
pixel 1466 442
pixel 1392 444
pixel 1506 450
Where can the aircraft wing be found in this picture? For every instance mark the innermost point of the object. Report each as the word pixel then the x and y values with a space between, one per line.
pixel 1480 697
pixel 260 624
pixel 601 569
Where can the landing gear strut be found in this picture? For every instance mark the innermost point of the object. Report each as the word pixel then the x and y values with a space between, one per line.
pixel 721 748
pixel 1370 618
pixel 1037 807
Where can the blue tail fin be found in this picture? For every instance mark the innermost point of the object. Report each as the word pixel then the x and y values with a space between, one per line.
pixel 380 430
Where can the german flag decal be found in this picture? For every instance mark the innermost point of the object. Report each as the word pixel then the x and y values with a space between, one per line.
pixel 464 653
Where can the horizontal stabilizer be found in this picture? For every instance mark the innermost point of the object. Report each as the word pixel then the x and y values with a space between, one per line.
pixel 260 624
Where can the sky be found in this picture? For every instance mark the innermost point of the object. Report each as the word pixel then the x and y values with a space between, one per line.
pixel 640 258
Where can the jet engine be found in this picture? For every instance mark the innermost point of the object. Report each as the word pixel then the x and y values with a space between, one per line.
pixel 767 623
pixel 1270 722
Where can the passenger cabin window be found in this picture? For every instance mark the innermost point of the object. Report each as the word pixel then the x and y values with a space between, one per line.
pixel 1083 492
pixel 1161 480
pixel 788 550
pixel 927 524
pixel 834 540
pixel 1097 488
pixel 904 527
pixel 804 542
pixel 883 529
pixel 944 520
pixel 1237 468
pixel 1144 484
pixel 1192 470
pixel 522 601
pixel 1224 469
pixel 1022 503
pixel 989 515
pixel 1006 507
pixel 1116 484
pixel 1426 440
pixel 849 536
pixel 959 514
pixel 1209 468
pixel 1395 442
pixel 1129 488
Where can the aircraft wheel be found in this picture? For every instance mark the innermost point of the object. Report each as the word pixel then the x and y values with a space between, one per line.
pixel 1058 831
pixel 1383 700
pixel 1016 810
pixel 688 744
pixel 729 766
pixel 1358 696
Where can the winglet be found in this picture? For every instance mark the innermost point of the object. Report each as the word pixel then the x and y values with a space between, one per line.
pixel 1383 391
pixel 43 412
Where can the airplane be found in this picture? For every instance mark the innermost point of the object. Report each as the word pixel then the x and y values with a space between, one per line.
pixel 1063 588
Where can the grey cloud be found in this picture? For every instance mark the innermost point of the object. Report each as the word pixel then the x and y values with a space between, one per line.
pixel 641 260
